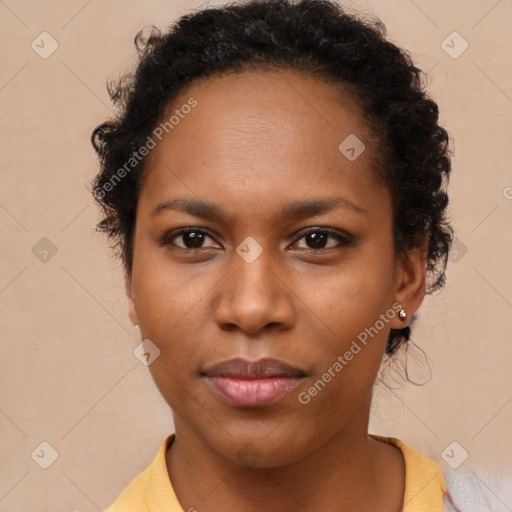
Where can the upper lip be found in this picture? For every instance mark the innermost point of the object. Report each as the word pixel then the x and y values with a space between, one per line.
pixel 260 369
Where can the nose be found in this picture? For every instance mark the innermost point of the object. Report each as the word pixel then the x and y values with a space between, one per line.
pixel 255 296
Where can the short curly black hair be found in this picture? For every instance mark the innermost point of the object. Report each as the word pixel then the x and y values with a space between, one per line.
pixel 317 37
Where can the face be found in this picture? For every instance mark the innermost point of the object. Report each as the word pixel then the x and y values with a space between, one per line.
pixel 291 259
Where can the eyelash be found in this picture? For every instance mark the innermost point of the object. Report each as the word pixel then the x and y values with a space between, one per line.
pixel 346 240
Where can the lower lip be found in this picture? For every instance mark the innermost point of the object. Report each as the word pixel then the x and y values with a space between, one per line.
pixel 255 392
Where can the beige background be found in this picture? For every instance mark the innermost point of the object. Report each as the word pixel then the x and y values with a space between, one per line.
pixel 68 373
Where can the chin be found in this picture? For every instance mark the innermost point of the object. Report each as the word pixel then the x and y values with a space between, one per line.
pixel 261 451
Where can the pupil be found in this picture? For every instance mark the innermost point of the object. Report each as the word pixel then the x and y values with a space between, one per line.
pixel 195 238
pixel 317 239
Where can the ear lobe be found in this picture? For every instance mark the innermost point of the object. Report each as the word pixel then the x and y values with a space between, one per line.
pixel 130 297
pixel 410 284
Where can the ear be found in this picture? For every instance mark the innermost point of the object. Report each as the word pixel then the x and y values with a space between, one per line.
pixel 130 296
pixel 410 279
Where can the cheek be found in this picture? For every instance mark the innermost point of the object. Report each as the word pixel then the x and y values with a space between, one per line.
pixel 165 294
pixel 351 336
pixel 165 317
pixel 346 366
pixel 349 300
pixel 338 394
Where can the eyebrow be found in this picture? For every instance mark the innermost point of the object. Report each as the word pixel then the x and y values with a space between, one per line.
pixel 290 210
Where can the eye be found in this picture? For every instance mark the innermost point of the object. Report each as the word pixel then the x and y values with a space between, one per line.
pixel 192 238
pixel 317 239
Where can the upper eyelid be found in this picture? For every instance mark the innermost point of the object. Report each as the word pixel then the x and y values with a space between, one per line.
pixel 341 236
pixel 166 238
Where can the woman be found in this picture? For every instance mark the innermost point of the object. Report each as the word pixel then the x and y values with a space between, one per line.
pixel 275 181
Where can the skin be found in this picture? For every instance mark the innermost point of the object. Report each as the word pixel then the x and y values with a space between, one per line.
pixel 249 152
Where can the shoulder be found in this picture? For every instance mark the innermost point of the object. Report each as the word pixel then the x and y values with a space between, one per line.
pixel 134 497
pixel 425 484
pixel 145 489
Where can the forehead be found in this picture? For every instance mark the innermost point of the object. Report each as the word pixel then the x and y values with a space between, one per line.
pixel 262 138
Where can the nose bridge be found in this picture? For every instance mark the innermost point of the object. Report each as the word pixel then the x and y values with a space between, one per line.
pixel 252 271
pixel 253 295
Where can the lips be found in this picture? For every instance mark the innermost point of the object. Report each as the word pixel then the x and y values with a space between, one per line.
pixel 264 368
pixel 253 383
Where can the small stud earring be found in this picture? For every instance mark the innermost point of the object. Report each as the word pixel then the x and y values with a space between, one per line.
pixel 402 314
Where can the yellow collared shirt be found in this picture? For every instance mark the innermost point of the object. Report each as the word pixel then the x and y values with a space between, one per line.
pixel 152 491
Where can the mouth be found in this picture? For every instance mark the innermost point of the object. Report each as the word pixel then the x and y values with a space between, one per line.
pixel 253 383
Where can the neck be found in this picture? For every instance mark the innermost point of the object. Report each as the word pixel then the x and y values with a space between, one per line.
pixel 349 471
